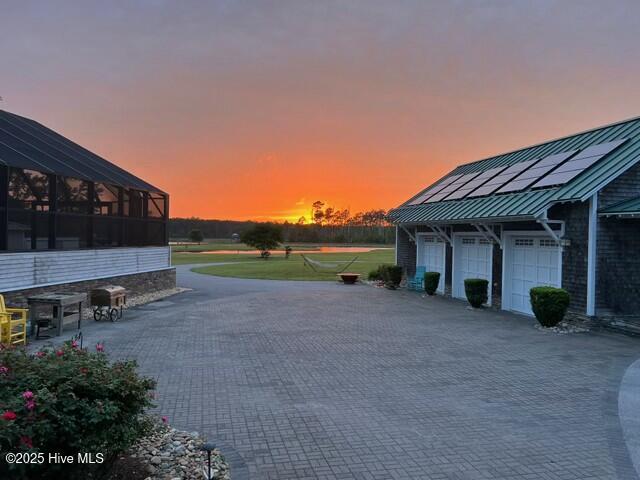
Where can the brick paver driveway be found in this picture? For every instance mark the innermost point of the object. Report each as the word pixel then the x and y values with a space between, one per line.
pixel 316 380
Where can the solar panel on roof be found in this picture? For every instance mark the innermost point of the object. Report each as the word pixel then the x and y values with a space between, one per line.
pixel 557 178
pixel 601 148
pixel 452 187
pixel 434 189
pixel 504 176
pixel 578 164
pixel 533 174
pixel 475 183
pixel 567 172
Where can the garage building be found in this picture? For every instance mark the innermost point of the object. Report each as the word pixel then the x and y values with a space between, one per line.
pixel 564 213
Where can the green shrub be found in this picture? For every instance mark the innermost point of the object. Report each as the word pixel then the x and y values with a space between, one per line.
pixel 392 275
pixel 68 401
pixel 477 291
pixel 549 304
pixel 375 275
pixel 431 280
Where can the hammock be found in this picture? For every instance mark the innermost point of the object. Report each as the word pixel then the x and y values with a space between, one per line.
pixel 337 266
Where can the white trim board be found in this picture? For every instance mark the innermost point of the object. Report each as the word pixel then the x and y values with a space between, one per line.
pixel 23 270
pixel 592 242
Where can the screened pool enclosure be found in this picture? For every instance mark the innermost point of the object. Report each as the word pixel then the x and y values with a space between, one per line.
pixel 56 195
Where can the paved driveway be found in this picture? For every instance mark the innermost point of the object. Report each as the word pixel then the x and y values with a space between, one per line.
pixel 313 380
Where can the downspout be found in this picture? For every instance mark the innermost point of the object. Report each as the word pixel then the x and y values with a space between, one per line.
pixel 591 255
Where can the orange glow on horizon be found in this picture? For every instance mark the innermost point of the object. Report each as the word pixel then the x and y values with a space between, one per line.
pixel 254 110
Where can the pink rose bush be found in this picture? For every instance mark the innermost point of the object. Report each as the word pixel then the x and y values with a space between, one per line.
pixel 68 400
pixel 9 416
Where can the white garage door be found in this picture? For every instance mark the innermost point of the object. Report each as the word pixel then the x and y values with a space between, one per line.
pixel 473 259
pixel 433 254
pixel 531 262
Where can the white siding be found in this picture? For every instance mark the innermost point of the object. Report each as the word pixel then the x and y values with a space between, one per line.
pixel 35 269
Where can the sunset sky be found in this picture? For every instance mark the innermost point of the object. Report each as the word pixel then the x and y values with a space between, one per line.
pixel 253 110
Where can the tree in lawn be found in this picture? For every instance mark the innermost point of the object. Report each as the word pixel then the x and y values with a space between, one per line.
pixel 196 236
pixel 264 237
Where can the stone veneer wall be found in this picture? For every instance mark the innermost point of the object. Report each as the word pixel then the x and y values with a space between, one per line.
pixel 136 284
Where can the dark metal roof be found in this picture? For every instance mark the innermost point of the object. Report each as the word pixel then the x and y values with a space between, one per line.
pixel 578 189
pixel 622 209
pixel 25 143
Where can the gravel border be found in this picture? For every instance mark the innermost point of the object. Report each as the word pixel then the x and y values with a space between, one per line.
pixel 173 454
pixel 563 328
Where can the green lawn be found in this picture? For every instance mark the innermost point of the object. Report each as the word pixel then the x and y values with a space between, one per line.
pixel 182 256
pixel 210 245
pixel 279 268
pixel 178 258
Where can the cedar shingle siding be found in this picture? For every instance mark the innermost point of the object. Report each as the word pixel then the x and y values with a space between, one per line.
pixel 574 256
pixel 618 267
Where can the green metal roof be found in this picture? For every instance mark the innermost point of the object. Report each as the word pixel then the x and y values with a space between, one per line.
pixel 628 207
pixel 531 203
pixel 503 207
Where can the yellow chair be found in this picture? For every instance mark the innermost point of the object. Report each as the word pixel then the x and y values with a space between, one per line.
pixel 13 324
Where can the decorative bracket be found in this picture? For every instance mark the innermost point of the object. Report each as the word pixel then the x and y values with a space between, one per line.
pixel 411 235
pixel 544 221
pixel 488 233
pixel 441 233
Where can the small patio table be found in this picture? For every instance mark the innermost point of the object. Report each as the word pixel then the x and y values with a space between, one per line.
pixel 63 304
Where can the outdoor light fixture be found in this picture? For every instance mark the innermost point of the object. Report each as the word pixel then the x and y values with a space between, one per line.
pixel 208 447
pixel 78 338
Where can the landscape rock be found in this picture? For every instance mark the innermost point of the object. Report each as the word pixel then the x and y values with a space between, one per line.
pixel 562 328
pixel 171 454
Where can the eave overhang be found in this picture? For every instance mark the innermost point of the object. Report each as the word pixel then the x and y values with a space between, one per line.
pixel 522 206
pixel 626 209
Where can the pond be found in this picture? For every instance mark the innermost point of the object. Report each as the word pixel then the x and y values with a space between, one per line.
pixel 322 249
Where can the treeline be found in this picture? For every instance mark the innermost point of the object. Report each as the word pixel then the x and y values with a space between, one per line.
pixel 329 226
